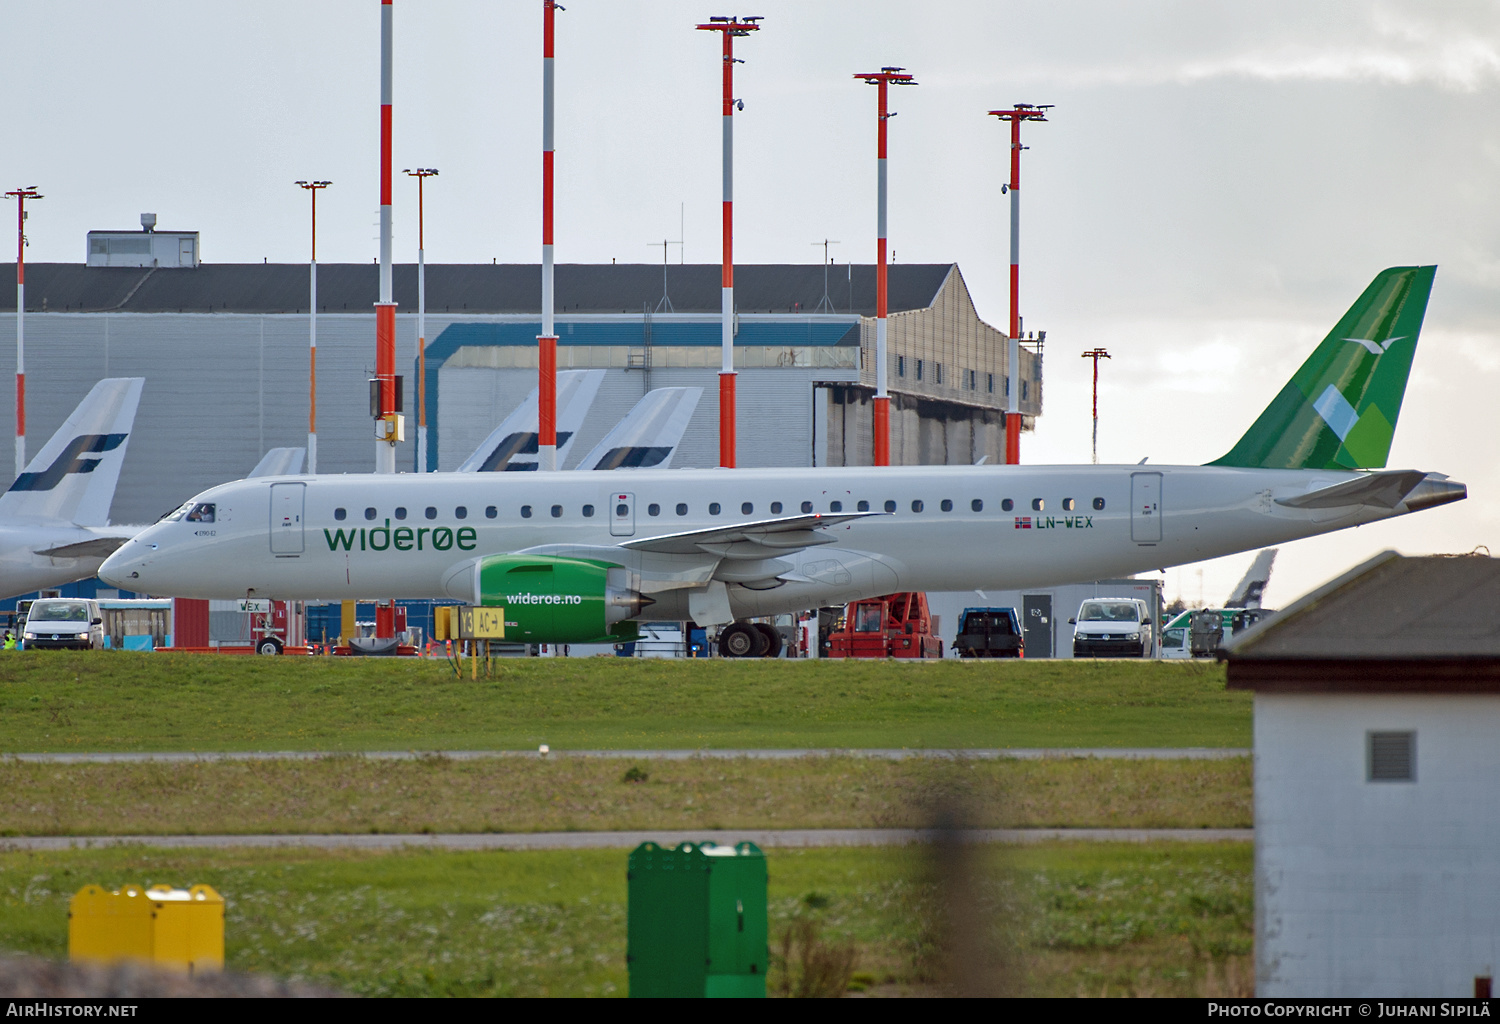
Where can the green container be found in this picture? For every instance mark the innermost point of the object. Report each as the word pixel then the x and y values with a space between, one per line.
pixel 697 921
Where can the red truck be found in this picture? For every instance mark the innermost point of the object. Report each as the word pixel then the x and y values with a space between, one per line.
pixel 893 626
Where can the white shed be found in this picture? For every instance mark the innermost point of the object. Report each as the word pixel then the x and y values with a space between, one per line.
pixel 1377 782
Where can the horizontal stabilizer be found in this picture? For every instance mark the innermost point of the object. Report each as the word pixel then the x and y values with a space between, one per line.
pixel 98 547
pixel 1383 490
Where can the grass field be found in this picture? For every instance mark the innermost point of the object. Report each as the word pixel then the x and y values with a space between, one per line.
pixel 1100 919
pixel 436 794
pixel 108 701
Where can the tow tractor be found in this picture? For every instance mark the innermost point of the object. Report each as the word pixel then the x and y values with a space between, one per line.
pixel 893 626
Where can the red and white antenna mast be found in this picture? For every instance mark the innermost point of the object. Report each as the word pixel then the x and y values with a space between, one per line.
pixel 388 419
pixel 1020 112
pixel 881 79
pixel 20 195
pixel 730 28
pixel 547 340
pixel 313 188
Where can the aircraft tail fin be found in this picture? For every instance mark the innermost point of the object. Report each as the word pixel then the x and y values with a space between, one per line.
pixel 512 446
pixel 649 435
pixel 1339 409
pixel 1250 590
pixel 279 462
pixel 72 479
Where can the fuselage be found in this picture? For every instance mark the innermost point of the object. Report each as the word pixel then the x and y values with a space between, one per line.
pixel 943 527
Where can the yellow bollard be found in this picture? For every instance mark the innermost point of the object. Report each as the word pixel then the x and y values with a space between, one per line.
pixel 178 929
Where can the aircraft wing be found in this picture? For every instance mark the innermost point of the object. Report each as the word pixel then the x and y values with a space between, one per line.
pixel 1385 490
pixel 98 547
pixel 770 535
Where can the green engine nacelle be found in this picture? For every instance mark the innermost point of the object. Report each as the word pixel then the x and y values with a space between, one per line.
pixel 551 600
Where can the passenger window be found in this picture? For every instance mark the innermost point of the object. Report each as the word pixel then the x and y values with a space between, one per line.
pixel 1069 504
pixel 1006 505
pixel 947 505
pixel 775 508
pixel 525 511
pixel 588 511
pixel 1098 504
pixel 556 511
pixel 713 508
pixel 835 506
pixel 916 506
pixel 490 512
pixel 400 512
pixel 369 513
pixel 339 514
pixel 681 509
pixel 1037 504
pixel 431 512
pixel 806 507
pixel 461 512
pixel 651 510
pixel 747 508
pixel 863 506
pixel 977 505
pixel 890 506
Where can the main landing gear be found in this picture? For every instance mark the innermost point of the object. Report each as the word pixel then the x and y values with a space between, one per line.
pixel 749 640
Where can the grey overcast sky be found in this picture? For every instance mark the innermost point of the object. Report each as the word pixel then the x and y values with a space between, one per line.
pixel 1216 185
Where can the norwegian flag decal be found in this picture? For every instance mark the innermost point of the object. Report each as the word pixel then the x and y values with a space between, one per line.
pixel 1023 522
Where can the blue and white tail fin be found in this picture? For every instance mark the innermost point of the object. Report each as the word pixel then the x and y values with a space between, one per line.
pixel 512 446
pixel 72 479
pixel 648 437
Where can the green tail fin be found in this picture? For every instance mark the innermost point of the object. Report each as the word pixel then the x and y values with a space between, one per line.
pixel 1339 410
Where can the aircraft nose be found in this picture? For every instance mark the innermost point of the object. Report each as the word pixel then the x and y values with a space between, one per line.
pixel 124 568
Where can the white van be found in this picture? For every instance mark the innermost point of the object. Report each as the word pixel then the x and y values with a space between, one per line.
pixel 74 623
pixel 1112 627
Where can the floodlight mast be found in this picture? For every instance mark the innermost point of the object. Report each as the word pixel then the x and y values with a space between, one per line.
pixel 421 174
pixel 388 428
pixel 547 340
pixel 1020 112
pixel 20 195
pixel 313 188
pixel 730 29
pixel 1096 354
pixel 882 411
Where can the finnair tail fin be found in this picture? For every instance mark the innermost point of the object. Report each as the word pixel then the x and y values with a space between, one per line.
pixel 1339 410
pixel 512 447
pixel 72 479
pixel 649 435
pixel 1250 590
pixel 279 462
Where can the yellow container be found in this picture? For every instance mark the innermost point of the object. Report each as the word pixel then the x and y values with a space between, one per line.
pixel 178 929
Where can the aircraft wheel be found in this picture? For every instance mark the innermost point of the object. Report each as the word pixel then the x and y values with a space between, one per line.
pixel 268 646
pixel 739 640
pixel 772 638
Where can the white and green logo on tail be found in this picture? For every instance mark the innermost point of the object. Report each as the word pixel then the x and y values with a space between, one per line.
pixel 1339 410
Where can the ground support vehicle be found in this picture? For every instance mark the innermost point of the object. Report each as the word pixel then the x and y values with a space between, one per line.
pixel 1112 628
pixel 891 626
pixel 989 633
pixel 64 623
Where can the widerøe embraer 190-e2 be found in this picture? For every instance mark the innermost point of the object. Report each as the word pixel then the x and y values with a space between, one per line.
pixel 572 557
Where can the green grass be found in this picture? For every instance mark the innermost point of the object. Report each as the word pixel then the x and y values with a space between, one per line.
pixel 1099 919
pixel 347 794
pixel 104 701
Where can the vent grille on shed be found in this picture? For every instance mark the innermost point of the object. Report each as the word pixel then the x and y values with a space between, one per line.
pixel 1393 757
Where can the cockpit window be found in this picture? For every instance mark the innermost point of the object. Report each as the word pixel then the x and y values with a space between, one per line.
pixel 177 513
pixel 59 611
pixel 202 512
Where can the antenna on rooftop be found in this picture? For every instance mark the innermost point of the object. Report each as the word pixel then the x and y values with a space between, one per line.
pixel 665 303
pixel 825 304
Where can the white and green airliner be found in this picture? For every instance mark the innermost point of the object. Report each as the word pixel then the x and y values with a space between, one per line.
pixel 575 557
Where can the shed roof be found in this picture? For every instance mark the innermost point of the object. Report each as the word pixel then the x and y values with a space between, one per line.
pixel 465 288
pixel 1395 623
